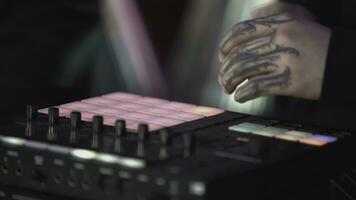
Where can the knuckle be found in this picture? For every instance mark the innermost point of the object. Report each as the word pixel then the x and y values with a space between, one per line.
pixel 284 35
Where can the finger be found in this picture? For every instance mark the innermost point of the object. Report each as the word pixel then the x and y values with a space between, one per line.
pixel 248 30
pixel 272 84
pixel 240 72
pixel 240 33
pixel 259 46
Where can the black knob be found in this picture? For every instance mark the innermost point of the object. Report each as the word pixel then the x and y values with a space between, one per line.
pixel 120 128
pixel 165 136
pixel 140 149
pixel 98 123
pixel 53 115
pixel 189 144
pixel 143 132
pixel 31 112
pixel 75 119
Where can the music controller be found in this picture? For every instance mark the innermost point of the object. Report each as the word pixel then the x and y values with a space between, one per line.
pixel 125 146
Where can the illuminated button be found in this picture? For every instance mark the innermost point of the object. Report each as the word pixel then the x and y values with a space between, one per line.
pixel 121 96
pixel 240 129
pixel 299 134
pixel 139 116
pixel 177 106
pixel 328 139
pixel 132 163
pixel 158 111
pixel 13 141
pixel 311 141
pixel 197 188
pixel 269 131
pixel 187 116
pixel 246 127
pixel 83 154
pixel 151 101
pixel 81 106
pixel 252 125
pixel 288 137
pixel 59 149
pixel 107 158
pixel 165 121
pixel 206 111
pixel 109 111
pixel 130 106
pixel 100 101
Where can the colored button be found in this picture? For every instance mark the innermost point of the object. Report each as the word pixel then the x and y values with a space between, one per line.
pixel 269 131
pixel 311 141
pixel 288 137
pixel 252 125
pixel 240 129
pixel 328 139
pixel 299 134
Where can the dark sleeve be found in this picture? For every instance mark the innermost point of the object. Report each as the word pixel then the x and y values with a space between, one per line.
pixel 326 12
pixel 339 84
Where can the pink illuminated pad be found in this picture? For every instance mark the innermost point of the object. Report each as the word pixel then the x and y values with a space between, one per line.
pixel 177 106
pixel 151 101
pixel 100 101
pixel 80 106
pixel 165 121
pixel 206 111
pixel 130 106
pixel 120 96
pixel 109 111
pixel 158 111
pixel 139 116
pixel 88 116
pixel 136 109
pixel 187 116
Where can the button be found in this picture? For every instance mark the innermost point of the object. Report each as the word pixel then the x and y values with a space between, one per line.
pixel 143 132
pixel 120 128
pixel 269 131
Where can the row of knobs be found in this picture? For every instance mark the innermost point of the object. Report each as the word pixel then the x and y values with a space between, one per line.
pixel 98 126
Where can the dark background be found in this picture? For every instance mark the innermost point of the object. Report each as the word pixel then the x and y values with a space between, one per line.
pixel 37 35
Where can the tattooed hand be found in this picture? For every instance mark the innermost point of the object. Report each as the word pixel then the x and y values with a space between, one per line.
pixel 280 54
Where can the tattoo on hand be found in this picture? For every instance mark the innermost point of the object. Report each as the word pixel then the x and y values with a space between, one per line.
pixel 257 57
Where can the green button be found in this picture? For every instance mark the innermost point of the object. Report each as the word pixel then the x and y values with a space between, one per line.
pixel 240 129
pixel 269 131
pixel 251 125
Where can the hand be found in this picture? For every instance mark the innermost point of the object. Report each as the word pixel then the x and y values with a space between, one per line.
pixel 279 54
pixel 280 7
